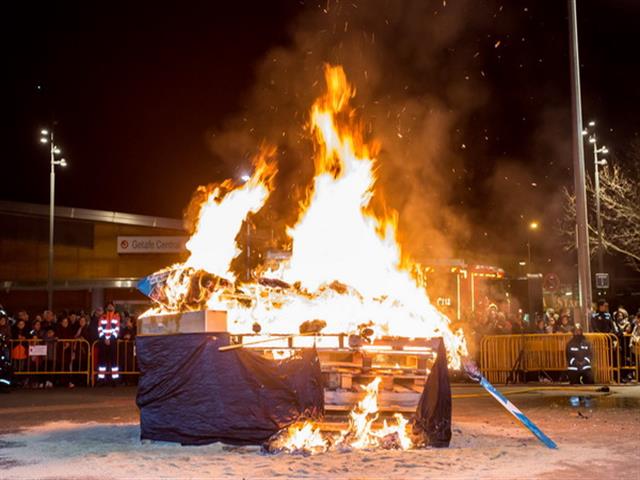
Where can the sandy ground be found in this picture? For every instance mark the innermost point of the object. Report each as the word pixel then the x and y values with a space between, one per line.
pixel 94 434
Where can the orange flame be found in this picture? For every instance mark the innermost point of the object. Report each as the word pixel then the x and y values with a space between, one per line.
pixel 221 214
pixel 359 435
pixel 305 438
pixel 219 211
pixel 338 238
pixel 346 264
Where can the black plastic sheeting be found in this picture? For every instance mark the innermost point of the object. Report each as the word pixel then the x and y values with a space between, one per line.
pixel 432 422
pixel 191 393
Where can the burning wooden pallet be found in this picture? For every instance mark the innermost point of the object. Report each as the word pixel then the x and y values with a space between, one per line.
pixel 402 363
pixel 346 360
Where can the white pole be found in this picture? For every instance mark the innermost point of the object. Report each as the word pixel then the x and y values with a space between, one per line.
pixel 52 187
pixel 584 267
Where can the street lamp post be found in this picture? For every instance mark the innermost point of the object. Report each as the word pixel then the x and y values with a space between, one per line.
pixel 47 137
pixel 582 232
pixel 597 163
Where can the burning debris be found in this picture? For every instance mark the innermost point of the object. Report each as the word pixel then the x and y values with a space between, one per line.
pixel 346 267
pixel 307 439
pixel 361 435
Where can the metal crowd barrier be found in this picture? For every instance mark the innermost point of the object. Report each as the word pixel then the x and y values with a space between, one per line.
pixel 51 357
pixel 505 358
pixel 125 358
pixel 628 360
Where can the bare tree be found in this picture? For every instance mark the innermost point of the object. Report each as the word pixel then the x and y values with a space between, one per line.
pixel 619 209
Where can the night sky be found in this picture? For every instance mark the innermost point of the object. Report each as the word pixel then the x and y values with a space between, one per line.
pixel 137 92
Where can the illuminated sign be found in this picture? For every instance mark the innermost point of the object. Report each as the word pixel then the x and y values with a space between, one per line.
pixel 444 301
pixel 148 244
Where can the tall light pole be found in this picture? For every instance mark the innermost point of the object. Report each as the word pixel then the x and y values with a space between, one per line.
pixel 533 226
pixel 54 150
pixel 579 177
pixel 597 163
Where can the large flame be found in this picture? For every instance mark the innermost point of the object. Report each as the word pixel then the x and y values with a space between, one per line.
pixel 221 214
pixel 217 211
pixel 335 237
pixel 346 265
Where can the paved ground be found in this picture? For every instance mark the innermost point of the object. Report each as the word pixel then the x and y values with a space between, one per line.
pixel 93 433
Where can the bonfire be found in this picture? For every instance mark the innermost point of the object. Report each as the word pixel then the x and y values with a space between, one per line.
pixel 346 266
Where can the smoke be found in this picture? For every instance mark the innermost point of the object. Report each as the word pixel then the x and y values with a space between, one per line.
pixel 417 69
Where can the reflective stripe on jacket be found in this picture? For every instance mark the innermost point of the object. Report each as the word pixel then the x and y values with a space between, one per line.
pixel 109 325
pixel 578 354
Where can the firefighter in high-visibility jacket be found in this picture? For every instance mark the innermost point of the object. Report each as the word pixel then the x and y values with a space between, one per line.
pixel 108 332
pixel 579 358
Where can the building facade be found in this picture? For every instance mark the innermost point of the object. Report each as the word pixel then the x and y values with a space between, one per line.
pixel 99 256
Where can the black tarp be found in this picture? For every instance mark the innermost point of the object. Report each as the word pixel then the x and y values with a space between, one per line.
pixel 432 422
pixel 191 393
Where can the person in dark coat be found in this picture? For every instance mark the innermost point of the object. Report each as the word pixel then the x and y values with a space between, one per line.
pixel 51 342
pixel 20 331
pixel 82 329
pixel 63 330
pixel 65 350
pixel 36 331
pixel 5 353
pixel 5 328
pixel 129 330
pixel 565 325
pixel 48 320
pixel 601 321
pixel 81 349
pixel 127 361
pixel 5 363
pixel 94 324
pixel 20 350
pixel 579 357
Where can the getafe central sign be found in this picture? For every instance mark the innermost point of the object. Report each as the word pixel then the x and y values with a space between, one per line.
pixel 166 244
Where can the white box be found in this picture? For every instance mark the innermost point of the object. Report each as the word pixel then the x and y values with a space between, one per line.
pixel 200 321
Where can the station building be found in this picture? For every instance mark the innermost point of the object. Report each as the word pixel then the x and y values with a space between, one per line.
pixel 99 256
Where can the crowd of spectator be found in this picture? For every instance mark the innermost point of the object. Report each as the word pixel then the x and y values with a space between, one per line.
pixel 495 318
pixel 48 328
pixel 493 321
pixel 65 325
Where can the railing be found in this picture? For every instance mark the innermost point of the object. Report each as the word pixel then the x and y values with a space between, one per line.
pixel 628 359
pixel 50 358
pixel 505 358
